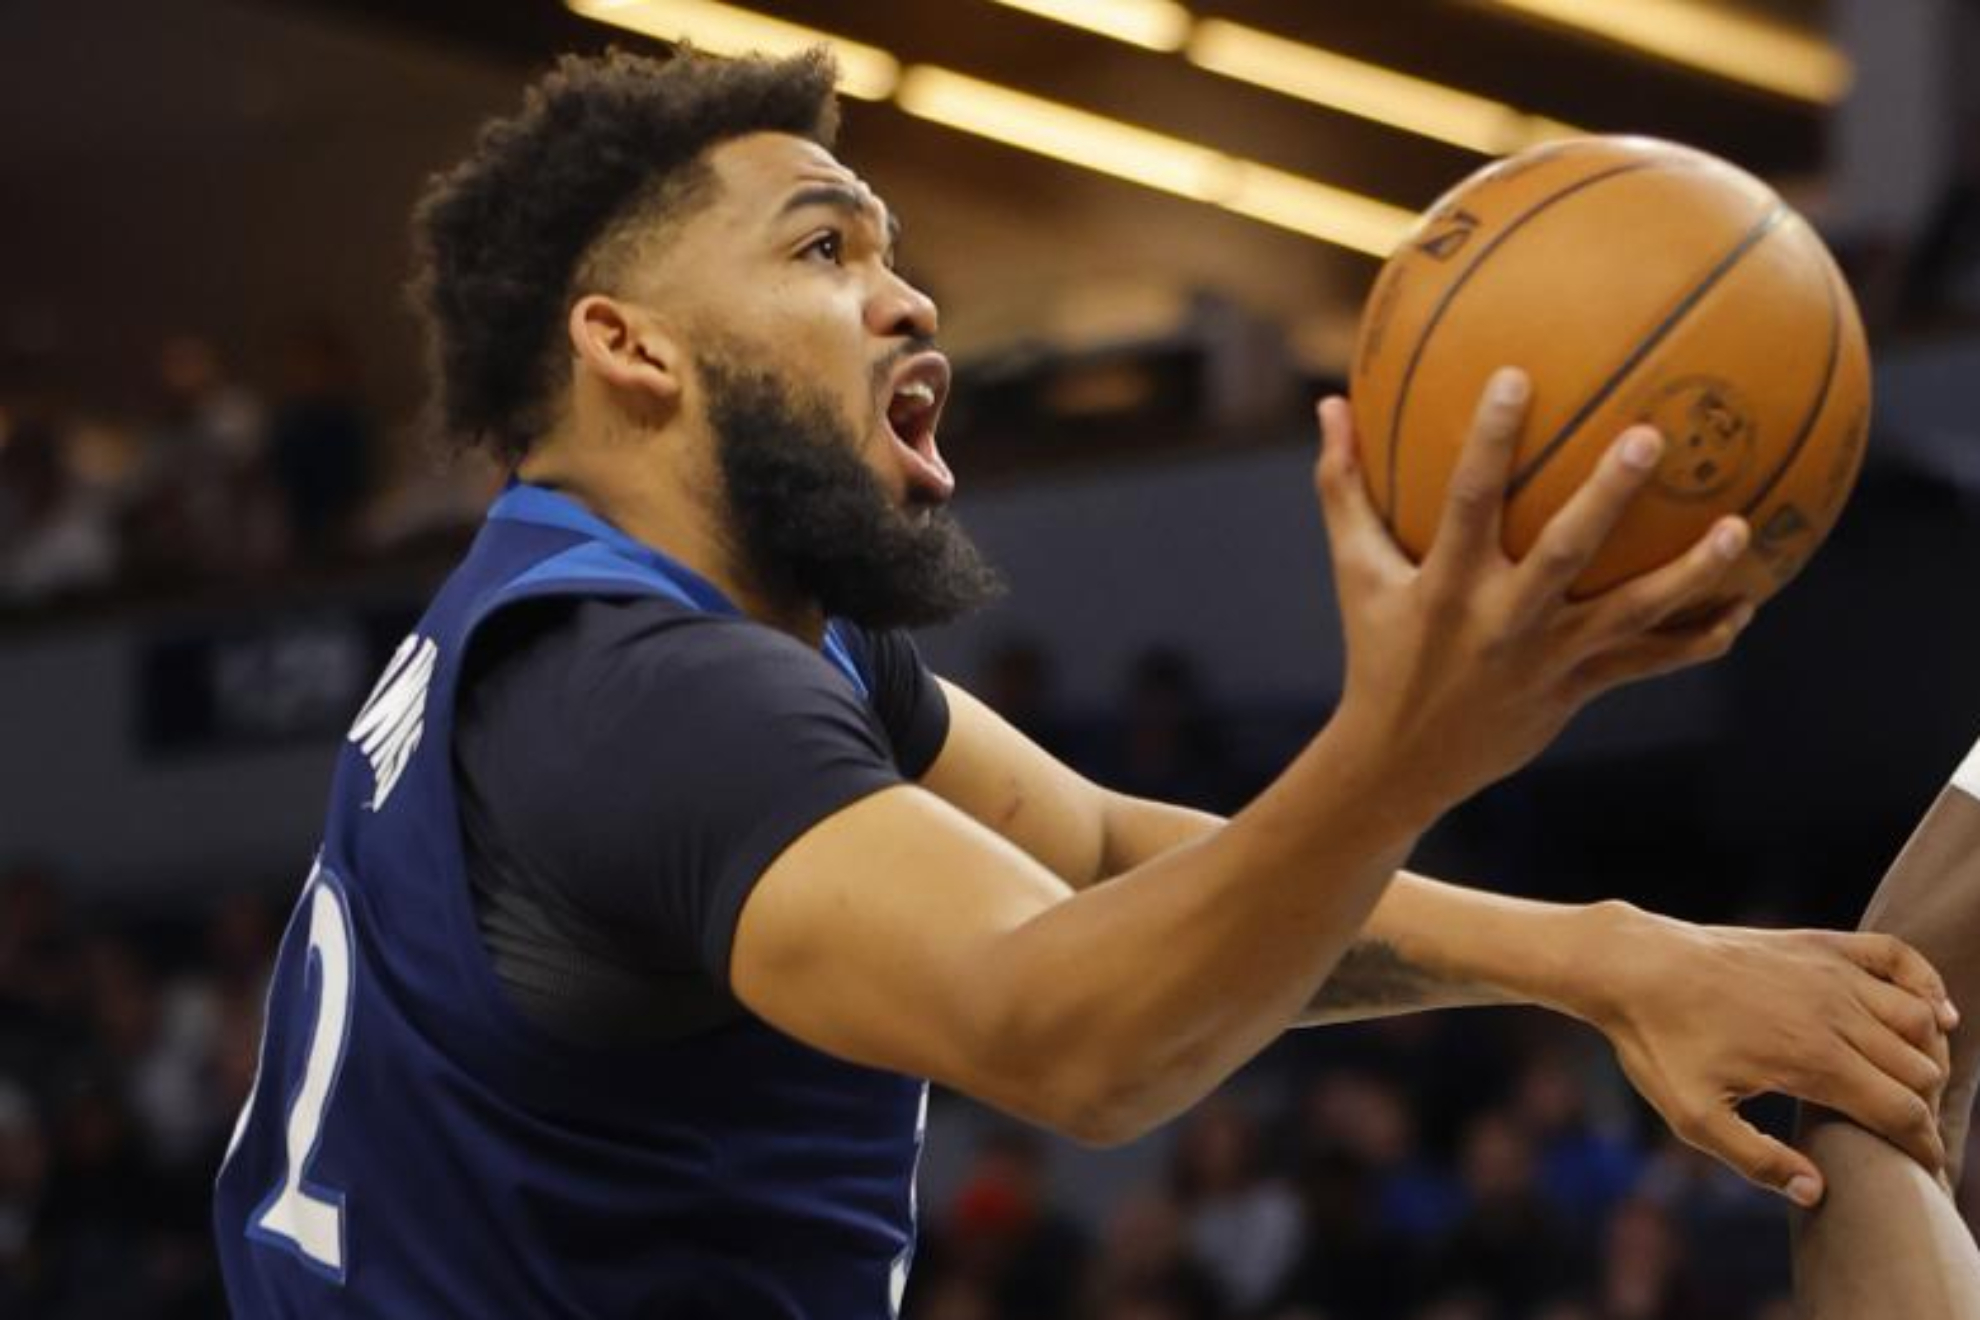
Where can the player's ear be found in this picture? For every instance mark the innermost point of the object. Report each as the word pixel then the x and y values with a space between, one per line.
pixel 625 349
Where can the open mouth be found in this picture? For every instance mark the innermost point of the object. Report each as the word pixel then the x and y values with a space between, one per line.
pixel 914 407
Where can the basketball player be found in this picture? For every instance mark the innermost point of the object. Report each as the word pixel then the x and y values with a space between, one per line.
pixel 659 872
pixel 1888 1240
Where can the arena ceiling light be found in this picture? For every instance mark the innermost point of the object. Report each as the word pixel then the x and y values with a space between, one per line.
pixel 1309 73
pixel 1077 137
pixel 1367 91
pixel 1318 210
pixel 1710 38
pixel 865 72
pixel 1030 123
pixel 1154 160
pixel 1151 24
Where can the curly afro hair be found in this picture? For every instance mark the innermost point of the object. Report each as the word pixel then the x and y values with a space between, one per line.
pixel 604 148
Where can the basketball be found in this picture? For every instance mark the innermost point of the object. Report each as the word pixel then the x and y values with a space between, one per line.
pixel 1633 280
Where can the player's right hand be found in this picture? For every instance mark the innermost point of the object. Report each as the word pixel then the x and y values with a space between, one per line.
pixel 1464 667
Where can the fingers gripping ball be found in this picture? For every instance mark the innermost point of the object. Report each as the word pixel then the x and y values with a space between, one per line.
pixel 1634 280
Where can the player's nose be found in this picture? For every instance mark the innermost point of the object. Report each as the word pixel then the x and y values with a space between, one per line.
pixel 899 309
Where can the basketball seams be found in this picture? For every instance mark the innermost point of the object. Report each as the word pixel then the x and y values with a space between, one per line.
pixel 1821 403
pixel 1765 227
pixel 1391 514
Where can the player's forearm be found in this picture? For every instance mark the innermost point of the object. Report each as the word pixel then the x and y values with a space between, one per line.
pixel 1142 994
pixel 1426 945
pixel 1434 945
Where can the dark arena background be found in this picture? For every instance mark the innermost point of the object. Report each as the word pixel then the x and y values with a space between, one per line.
pixel 219 513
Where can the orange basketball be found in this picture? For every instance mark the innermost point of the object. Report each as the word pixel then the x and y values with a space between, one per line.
pixel 1633 280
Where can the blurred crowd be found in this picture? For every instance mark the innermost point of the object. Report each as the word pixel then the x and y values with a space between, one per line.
pixel 211 481
pixel 126 1049
pixel 1462 1166
pixel 1332 1203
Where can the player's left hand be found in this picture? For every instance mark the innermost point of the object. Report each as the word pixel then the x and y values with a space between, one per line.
pixel 1704 1017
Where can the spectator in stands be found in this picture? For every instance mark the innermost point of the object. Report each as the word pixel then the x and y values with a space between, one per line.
pixel 434 505
pixel 1145 1256
pixel 1352 1265
pixel 118 1088
pixel 1711 1206
pixel 204 508
pixel 1583 1170
pixel 100 1198
pixel 1509 1245
pixel 1017 681
pixel 24 1161
pixel 934 1295
pixel 1461 1304
pixel 1169 746
pixel 319 441
pixel 1365 1118
pixel 1644 1272
pixel 38 970
pixel 57 536
pixel 1244 1229
pixel 1155 1304
pixel 1003 1235
pixel 1566 1309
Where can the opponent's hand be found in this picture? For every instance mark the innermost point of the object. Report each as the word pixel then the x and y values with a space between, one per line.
pixel 1466 666
pixel 1704 1017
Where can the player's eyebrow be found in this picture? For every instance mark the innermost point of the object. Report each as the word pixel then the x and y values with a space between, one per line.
pixel 841 198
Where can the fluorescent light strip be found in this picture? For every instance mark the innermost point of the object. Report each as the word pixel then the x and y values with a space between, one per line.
pixel 1318 210
pixel 865 72
pixel 1077 137
pixel 1710 38
pixel 1153 160
pixel 1309 73
pixel 1368 91
pixel 1030 123
pixel 1151 24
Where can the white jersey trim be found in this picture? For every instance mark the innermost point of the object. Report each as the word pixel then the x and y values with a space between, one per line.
pixel 1967 778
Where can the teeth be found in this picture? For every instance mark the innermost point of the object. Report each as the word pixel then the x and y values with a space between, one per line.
pixel 920 391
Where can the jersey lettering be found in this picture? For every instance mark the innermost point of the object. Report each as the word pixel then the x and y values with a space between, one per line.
pixel 387 730
pixel 298 1216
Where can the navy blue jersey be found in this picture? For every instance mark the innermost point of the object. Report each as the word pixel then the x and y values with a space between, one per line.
pixel 415 1146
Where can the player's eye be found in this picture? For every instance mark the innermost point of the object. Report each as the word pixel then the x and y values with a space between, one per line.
pixel 828 246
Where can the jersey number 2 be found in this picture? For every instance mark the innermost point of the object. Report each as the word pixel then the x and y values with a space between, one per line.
pixel 303 1217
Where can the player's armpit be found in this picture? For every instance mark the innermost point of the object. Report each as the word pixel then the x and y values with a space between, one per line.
pixel 1080 831
pixel 991 771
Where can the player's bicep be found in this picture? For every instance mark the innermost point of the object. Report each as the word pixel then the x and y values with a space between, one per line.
pixel 875 937
pixel 995 774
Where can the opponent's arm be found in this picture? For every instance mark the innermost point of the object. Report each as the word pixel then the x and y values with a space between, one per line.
pixel 901 933
pixel 1889 1240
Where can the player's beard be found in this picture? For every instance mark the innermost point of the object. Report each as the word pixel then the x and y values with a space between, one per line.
pixel 813 524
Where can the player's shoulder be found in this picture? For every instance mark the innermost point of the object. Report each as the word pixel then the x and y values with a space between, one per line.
pixel 631 645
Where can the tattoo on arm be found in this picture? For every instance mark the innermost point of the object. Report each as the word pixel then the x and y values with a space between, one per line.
pixel 1374 979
